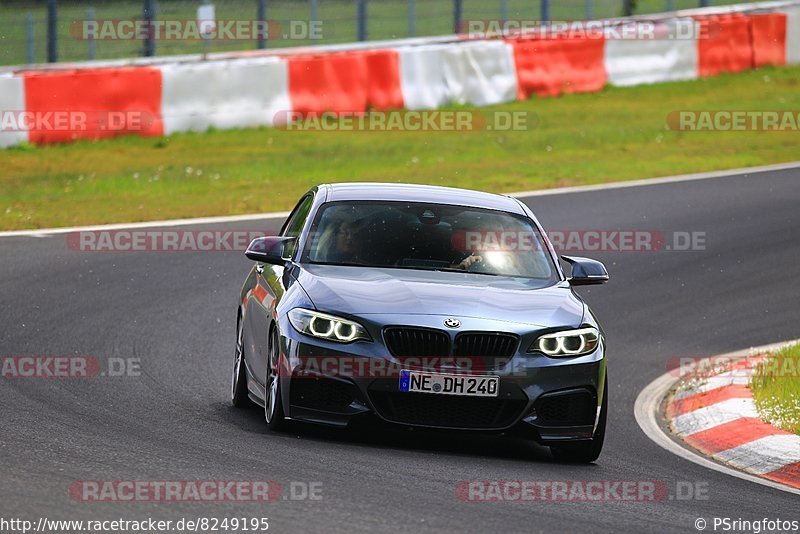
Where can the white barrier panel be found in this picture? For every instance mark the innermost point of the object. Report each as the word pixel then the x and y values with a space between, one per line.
pixel 670 56
pixel 792 35
pixel 224 94
pixel 422 77
pixel 12 104
pixel 479 73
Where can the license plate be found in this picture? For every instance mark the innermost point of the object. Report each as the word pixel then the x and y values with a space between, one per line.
pixel 468 386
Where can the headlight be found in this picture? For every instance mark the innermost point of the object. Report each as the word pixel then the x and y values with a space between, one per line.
pixel 326 326
pixel 567 343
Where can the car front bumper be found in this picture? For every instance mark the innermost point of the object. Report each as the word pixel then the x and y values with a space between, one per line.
pixel 546 399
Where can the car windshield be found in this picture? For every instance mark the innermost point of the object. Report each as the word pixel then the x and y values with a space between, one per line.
pixel 408 235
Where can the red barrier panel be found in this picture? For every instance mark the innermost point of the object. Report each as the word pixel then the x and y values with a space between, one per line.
pixel 550 67
pixel 349 81
pixel 93 103
pixel 725 44
pixel 383 80
pixel 769 38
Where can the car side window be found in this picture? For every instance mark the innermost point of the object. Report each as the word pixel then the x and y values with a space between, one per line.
pixel 296 221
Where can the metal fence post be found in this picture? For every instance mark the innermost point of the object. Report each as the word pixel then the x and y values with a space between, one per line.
pixel 670 5
pixel 412 18
pixel 313 25
pixel 627 7
pixel 545 10
pixel 29 34
pixel 589 10
pixel 90 44
pixel 149 14
pixel 314 9
pixel 704 3
pixel 362 20
pixel 457 11
pixel 206 39
pixel 52 31
pixel 261 15
pixel 503 10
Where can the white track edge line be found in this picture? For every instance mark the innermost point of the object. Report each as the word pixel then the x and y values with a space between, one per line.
pixel 657 181
pixel 646 411
pixel 148 224
pixel 519 194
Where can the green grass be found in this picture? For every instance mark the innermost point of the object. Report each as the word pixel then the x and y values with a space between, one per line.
pixel 387 19
pixel 776 389
pixel 616 134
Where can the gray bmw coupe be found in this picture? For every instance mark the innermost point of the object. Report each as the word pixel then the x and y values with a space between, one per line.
pixel 422 306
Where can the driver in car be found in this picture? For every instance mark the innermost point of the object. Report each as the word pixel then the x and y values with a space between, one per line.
pixel 347 242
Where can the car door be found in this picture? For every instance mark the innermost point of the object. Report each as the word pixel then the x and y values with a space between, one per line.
pixel 270 285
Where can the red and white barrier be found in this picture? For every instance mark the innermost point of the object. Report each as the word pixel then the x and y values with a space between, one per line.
pixel 246 90
pixel 662 59
pixel 223 94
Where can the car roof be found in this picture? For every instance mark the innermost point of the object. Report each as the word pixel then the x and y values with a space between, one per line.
pixel 433 194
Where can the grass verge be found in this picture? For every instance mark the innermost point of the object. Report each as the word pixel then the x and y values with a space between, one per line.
pixel 616 134
pixel 776 389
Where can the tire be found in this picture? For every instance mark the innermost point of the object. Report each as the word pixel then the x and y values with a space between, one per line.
pixel 585 452
pixel 239 396
pixel 273 405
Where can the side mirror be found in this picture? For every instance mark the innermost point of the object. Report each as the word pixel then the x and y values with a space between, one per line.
pixel 268 249
pixel 586 272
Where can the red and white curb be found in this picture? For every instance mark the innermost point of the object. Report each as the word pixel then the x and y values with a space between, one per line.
pixel 716 419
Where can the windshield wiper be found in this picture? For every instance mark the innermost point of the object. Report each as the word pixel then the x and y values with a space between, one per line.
pixel 455 270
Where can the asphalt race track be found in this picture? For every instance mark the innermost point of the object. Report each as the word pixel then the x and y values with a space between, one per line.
pixel 175 312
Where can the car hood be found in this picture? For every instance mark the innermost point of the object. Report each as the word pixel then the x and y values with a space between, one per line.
pixel 363 291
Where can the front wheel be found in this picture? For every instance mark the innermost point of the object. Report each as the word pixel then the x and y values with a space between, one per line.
pixel 273 407
pixel 585 452
pixel 239 397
